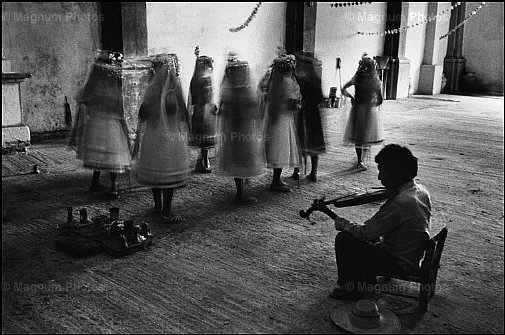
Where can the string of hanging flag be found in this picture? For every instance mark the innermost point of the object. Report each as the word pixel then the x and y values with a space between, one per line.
pixel 249 19
pixel 349 4
pixel 404 28
pixel 467 16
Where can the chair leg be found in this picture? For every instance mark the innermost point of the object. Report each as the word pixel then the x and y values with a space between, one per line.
pixel 424 297
pixel 433 285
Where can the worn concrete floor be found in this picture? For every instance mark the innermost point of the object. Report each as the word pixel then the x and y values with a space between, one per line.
pixel 259 268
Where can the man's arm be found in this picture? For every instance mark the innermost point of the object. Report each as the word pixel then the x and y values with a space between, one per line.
pixel 338 220
pixel 384 220
pixel 345 92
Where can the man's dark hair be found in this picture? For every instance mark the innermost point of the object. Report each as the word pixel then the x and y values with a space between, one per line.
pixel 400 160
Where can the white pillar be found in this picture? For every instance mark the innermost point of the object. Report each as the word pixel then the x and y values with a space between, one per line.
pixel 430 75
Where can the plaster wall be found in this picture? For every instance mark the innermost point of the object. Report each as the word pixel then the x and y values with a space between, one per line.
pixel 483 44
pixel 336 36
pixel 178 28
pixel 56 43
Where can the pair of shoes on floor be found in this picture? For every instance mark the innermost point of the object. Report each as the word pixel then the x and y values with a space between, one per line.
pixel 280 188
pixel 342 294
pixel 312 178
pixel 203 169
pixel 171 219
pixel 98 188
pixel 245 200
pixel 361 167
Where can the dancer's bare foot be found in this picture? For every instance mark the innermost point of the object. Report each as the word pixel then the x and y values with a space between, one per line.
pixel 114 192
pixel 172 219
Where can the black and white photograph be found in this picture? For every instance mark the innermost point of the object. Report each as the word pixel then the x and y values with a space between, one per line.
pixel 253 167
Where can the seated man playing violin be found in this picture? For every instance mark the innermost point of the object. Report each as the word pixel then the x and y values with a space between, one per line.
pixel 401 225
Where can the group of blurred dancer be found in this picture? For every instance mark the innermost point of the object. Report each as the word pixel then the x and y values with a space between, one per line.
pixel 271 126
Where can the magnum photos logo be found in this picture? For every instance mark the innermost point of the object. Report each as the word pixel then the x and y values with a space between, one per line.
pixel 35 18
pixel 412 17
pixel 231 137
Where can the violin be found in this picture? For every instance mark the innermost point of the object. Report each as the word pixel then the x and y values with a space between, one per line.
pixel 354 199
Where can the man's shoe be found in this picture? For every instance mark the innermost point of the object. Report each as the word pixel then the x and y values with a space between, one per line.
pixel 361 167
pixel 381 280
pixel 202 169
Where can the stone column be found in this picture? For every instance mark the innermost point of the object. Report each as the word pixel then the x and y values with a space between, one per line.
pixel 309 26
pixel 309 30
pixel 454 62
pixel 430 75
pixel 134 24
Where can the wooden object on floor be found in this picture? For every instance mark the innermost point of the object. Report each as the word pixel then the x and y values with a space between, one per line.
pixel 427 275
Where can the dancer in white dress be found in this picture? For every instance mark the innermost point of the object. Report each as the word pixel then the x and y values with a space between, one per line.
pixel 100 135
pixel 204 110
pixel 282 100
pixel 161 149
pixel 241 148
pixel 364 126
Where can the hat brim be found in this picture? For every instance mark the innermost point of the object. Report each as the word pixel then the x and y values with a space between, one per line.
pixel 390 324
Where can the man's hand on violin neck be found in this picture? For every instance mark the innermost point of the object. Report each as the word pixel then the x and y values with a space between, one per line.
pixel 338 222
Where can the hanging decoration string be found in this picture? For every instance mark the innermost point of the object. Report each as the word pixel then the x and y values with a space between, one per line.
pixel 398 30
pixel 249 19
pixel 467 16
pixel 349 4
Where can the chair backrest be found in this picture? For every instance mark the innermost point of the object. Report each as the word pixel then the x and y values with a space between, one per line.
pixel 433 253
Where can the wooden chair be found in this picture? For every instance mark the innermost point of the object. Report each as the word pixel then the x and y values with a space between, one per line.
pixel 427 275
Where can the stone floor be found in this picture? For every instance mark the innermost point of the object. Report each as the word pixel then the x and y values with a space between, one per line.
pixel 259 268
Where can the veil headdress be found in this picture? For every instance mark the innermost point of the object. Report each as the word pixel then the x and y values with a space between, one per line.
pixel 367 66
pixel 103 87
pixel 201 90
pixel 284 64
pixel 283 83
pixel 165 79
pixel 102 93
pixel 367 82
pixel 236 87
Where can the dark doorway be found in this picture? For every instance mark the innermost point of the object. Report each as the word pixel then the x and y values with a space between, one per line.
pixel 394 16
pixel 391 46
pixel 112 34
pixel 294 26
